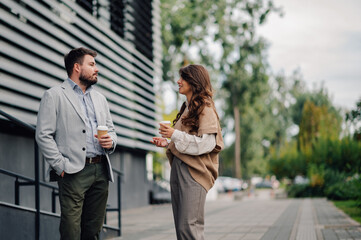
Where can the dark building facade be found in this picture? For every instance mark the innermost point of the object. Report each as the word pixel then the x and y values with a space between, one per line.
pixel 34 36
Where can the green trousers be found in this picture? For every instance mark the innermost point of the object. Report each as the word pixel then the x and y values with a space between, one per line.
pixel 83 197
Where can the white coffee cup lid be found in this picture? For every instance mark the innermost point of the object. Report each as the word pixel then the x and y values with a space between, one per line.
pixel 102 128
pixel 165 122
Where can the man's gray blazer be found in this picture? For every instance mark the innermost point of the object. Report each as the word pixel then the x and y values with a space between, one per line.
pixel 61 130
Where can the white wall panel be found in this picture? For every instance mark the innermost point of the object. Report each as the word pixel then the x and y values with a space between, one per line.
pixel 35 35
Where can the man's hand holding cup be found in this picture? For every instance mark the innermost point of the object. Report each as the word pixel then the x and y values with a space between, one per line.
pixel 104 139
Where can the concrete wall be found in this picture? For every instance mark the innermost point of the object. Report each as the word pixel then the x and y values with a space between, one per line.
pixel 134 185
pixel 17 155
pixel 20 224
pixel 35 36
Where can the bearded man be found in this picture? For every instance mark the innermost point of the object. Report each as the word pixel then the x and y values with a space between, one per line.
pixel 79 161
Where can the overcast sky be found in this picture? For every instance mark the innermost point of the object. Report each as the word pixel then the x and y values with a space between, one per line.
pixel 323 39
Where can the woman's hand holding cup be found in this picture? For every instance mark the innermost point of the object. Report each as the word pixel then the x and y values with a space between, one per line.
pixel 165 129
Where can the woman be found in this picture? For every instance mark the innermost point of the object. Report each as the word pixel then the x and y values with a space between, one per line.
pixel 196 141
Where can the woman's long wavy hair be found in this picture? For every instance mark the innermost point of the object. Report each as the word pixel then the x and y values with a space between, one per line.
pixel 198 79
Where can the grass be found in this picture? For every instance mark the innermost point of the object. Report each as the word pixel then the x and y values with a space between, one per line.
pixel 351 208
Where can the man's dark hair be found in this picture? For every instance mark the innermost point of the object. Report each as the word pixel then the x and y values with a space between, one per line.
pixel 76 56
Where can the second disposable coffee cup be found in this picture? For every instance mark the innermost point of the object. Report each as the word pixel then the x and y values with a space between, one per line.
pixel 102 130
pixel 165 122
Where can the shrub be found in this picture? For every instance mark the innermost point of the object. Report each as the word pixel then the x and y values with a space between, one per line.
pixel 345 190
pixel 304 190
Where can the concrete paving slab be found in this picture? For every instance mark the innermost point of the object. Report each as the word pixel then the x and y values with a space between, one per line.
pixel 260 217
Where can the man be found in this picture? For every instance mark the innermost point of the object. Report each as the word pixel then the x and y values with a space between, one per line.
pixel 66 134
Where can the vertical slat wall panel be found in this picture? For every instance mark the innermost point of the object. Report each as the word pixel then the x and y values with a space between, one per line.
pixel 34 36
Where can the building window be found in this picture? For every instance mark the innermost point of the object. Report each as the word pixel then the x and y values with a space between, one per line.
pixel 130 19
pixel 87 5
pixel 142 26
pixel 117 16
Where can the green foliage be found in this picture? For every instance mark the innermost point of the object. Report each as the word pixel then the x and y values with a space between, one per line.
pixel 351 208
pixel 344 190
pixel 303 190
pixel 159 159
pixel 350 156
pixel 317 122
pixel 332 164
pixel 284 92
pixel 316 174
pixel 236 60
pixel 354 117
pixel 333 176
pixel 288 162
pixel 340 155
pixel 170 116
pixel 222 36
pixel 319 97
pixel 329 183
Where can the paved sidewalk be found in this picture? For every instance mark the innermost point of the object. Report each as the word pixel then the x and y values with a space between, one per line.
pixel 251 218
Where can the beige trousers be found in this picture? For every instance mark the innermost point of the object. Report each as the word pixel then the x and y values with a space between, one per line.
pixel 188 200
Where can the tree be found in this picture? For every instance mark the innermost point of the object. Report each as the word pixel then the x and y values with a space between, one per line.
pixel 242 67
pixel 319 120
pixel 222 35
pixel 318 140
pixel 281 128
pixel 354 116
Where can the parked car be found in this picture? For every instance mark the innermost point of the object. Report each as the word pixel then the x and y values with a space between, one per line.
pixel 301 180
pixel 264 184
pixel 227 184
pixel 255 180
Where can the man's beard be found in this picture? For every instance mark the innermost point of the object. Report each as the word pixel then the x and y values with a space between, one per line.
pixel 87 81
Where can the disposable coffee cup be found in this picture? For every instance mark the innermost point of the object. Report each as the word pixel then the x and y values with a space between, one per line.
pixel 102 130
pixel 166 122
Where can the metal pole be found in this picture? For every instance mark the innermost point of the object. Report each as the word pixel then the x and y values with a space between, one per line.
pixel 17 193
pixel 20 123
pixel 119 206
pixel 53 201
pixel 37 193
